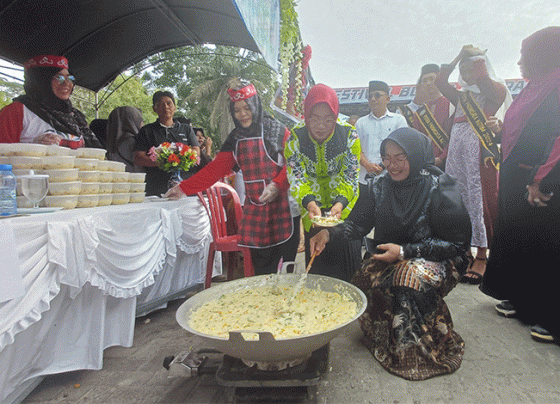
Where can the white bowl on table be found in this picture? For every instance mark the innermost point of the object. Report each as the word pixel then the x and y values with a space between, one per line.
pixel 58 162
pixel 61 201
pixel 88 176
pixel 28 149
pixel 88 201
pixel 105 199
pixel 35 163
pixel 62 175
pixel 65 188
pixel 137 197
pixel 136 187
pixel 120 199
pixel 89 188
pixel 105 187
pixel 137 177
pixel 84 164
pixel 91 153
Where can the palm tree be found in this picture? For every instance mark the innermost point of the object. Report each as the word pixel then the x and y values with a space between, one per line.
pixel 200 77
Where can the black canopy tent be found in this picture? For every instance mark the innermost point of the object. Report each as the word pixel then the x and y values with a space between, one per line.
pixel 101 38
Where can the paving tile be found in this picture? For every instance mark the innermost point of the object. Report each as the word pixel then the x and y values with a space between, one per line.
pixel 501 365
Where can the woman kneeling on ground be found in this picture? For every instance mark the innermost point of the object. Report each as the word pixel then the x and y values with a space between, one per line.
pixel 418 213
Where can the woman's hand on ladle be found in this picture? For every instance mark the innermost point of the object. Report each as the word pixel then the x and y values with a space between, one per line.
pixel 319 241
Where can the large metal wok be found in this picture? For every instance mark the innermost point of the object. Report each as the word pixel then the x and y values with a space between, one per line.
pixel 267 348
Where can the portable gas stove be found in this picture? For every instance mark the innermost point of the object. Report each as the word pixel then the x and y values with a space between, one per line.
pixel 249 384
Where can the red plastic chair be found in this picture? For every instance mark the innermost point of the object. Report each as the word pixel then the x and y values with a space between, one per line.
pixel 224 242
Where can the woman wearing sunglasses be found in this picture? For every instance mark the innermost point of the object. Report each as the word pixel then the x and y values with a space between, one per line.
pixel 44 114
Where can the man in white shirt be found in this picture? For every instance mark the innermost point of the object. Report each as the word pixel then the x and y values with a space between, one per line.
pixel 373 128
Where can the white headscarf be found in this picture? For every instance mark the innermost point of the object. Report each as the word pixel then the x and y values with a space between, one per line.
pixel 466 63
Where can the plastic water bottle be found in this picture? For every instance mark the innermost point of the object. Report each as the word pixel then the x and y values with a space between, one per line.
pixel 8 202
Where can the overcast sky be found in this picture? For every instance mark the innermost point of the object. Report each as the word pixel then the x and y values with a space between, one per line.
pixel 354 41
pixel 360 40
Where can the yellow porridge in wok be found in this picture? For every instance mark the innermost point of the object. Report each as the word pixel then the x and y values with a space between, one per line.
pixel 285 311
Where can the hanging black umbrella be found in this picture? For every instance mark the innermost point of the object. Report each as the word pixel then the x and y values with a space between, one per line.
pixel 101 38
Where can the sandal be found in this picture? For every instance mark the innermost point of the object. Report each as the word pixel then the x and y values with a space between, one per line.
pixel 474 278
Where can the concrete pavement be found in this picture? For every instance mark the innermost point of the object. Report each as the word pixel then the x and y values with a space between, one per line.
pixel 502 364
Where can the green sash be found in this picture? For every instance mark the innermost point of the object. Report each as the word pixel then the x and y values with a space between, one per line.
pixel 432 127
pixel 477 119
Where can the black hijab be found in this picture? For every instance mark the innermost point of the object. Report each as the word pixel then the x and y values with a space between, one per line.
pixel 123 124
pixel 402 201
pixel 40 99
pixel 263 124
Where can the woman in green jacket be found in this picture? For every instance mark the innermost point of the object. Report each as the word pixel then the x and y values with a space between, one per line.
pixel 322 161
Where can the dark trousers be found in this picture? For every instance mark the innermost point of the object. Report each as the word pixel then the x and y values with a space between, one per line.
pixel 265 260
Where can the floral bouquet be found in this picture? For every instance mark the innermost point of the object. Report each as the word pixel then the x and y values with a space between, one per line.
pixel 174 156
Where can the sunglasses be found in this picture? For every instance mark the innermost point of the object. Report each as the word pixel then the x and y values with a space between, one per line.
pixel 61 79
pixel 377 94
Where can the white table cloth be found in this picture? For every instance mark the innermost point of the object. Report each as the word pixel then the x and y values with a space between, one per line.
pixel 83 271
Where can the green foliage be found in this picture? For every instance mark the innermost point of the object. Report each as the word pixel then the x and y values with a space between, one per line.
pixel 124 91
pixel 8 91
pixel 198 76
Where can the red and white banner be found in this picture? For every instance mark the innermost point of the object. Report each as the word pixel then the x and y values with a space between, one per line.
pixel 404 93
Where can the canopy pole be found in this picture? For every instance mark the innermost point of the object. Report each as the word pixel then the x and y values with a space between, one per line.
pixel 96 105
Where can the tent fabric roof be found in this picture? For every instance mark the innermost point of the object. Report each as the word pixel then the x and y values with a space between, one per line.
pixel 101 38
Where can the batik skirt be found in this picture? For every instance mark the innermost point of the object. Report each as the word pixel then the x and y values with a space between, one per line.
pixel 407 325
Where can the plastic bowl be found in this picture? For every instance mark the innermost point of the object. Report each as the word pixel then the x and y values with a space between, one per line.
pixel 89 188
pixel 88 176
pixel 116 166
pixel 35 163
pixel 137 187
pixel 120 176
pixel 105 187
pixel 6 149
pixel 54 150
pixel 23 202
pixel 103 165
pixel 137 177
pixel 61 201
pixel 88 201
pixel 28 149
pixel 18 172
pixel 62 175
pixel 86 164
pixel 58 162
pixel 105 199
pixel 120 199
pixel 65 188
pixel 137 197
pixel 121 187
pixel 91 153
pixel 105 176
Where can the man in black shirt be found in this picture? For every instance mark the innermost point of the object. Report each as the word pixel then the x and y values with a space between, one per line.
pixel 164 129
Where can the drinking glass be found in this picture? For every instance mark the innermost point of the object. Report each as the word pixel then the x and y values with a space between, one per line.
pixel 35 187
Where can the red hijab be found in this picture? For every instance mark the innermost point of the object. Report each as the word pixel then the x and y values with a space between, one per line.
pixel 318 94
pixel 541 54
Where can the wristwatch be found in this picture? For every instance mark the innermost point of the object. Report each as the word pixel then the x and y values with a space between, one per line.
pixel 401 254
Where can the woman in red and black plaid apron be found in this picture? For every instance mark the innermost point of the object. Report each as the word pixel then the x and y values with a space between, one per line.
pixel 255 147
